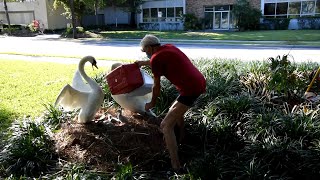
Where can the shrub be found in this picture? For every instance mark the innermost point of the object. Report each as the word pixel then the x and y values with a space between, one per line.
pixel 248 18
pixel 276 23
pixel 191 22
pixel 309 22
pixel 69 30
pixel 284 80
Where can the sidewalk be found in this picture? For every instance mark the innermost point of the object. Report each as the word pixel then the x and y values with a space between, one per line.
pixel 52 48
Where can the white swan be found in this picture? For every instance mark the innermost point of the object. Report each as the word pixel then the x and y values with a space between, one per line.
pixel 136 100
pixel 87 97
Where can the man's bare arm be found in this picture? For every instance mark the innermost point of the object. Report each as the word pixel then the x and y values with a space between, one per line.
pixel 143 63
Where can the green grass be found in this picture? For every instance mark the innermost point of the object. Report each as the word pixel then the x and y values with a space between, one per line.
pixel 26 85
pixel 276 35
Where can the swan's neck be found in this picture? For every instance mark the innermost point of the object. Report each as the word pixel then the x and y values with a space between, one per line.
pixel 90 81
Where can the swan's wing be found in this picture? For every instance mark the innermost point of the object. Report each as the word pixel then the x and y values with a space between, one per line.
pixel 70 98
pixel 79 84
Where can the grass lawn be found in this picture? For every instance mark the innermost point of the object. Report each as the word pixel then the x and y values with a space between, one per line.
pixel 26 85
pixel 272 35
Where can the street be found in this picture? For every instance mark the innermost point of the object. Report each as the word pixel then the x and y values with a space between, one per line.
pixel 52 45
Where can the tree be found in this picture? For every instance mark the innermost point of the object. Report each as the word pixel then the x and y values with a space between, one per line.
pixel 247 16
pixel 7 15
pixel 74 29
pixel 95 5
pixel 79 7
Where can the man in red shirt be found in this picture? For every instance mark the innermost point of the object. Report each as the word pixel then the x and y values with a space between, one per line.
pixel 167 60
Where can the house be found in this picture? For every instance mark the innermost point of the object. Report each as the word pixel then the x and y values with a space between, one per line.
pixel 163 14
pixel 24 13
pixel 217 14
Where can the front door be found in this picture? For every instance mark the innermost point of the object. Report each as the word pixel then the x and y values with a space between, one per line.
pixel 221 20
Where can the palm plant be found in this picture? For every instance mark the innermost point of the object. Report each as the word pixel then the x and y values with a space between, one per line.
pixel 168 93
pixel 101 79
pixel 284 79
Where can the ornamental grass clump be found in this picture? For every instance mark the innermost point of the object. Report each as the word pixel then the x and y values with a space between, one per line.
pixel 101 79
pixel 254 116
pixel 29 149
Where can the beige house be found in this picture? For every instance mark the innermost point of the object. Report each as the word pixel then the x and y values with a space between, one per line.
pixel 23 13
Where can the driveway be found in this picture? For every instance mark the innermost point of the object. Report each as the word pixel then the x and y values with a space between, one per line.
pixel 52 45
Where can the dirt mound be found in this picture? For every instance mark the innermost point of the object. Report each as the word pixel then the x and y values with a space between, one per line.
pixel 105 142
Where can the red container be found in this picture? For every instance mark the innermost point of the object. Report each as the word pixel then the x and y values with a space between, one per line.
pixel 124 79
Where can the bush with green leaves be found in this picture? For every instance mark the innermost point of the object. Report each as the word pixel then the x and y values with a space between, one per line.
pixel 248 17
pixel 191 22
pixel 29 149
pixel 276 23
pixel 284 79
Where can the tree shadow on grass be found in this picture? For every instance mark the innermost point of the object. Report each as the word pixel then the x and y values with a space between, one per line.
pixel 6 118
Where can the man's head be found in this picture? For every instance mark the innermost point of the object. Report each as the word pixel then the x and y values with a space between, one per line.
pixel 148 43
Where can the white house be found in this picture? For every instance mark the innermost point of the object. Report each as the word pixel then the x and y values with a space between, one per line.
pixel 23 13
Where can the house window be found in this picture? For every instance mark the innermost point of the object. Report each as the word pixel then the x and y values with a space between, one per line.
pixel 179 13
pixel 154 14
pixel 222 8
pixel 282 9
pixel 146 15
pixel 162 14
pixel 208 20
pixel 209 9
pixel 307 7
pixel 269 9
pixel 294 7
pixel 291 8
pixel 170 14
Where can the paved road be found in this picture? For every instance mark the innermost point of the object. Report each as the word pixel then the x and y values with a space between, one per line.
pixel 52 45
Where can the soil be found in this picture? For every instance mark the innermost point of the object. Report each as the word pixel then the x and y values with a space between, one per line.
pixel 105 142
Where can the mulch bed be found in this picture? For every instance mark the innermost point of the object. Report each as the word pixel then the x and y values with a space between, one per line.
pixel 102 144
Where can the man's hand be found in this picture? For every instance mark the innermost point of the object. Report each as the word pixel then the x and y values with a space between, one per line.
pixel 142 63
pixel 149 106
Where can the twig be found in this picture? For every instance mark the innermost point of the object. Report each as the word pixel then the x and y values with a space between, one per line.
pixel 139 133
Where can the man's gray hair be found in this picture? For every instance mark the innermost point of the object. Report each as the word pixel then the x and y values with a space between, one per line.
pixel 149 40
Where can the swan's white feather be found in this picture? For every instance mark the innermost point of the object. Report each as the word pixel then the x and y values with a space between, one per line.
pixel 70 98
pixel 87 97
pixel 79 84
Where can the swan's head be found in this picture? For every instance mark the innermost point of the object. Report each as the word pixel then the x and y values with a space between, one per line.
pixel 92 60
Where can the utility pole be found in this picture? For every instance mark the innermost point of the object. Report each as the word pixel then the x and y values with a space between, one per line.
pixel 7 15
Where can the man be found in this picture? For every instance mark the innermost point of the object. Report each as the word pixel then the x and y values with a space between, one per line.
pixel 167 60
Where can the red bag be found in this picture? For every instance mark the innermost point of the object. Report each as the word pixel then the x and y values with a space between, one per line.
pixel 124 79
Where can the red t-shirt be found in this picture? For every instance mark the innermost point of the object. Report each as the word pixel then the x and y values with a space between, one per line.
pixel 172 63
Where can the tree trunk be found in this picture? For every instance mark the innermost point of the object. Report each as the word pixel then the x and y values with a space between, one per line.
pixel 74 27
pixel 96 12
pixel 133 19
pixel 7 15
